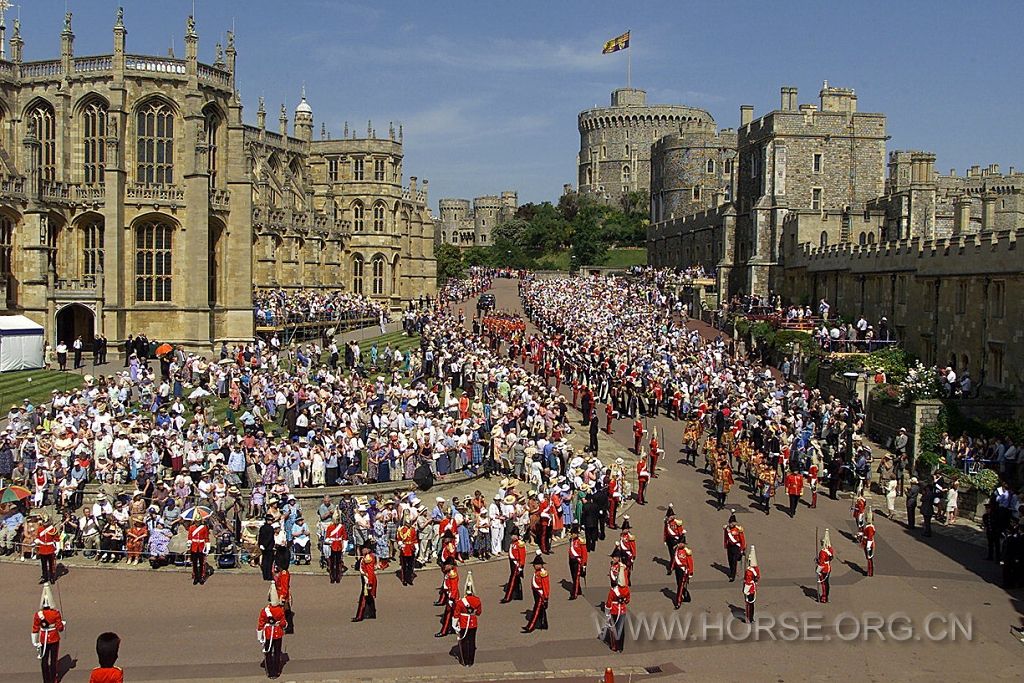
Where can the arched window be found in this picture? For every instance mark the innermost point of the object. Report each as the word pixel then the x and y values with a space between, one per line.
pixel 862 239
pixel 823 240
pixel 211 126
pixel 378 275
pixel 357 216
pixel 871 238
pixel 711 165
pixel 94 133
pixel 92 246
pixel 154 132
pixel 44 123
pixel 357 274
pixel 626 174
pixel 378 217
pixel 153 261
pixel 6 247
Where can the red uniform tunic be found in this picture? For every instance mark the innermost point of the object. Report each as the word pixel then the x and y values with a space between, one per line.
pixel 542 582
pixel 734 536
pixel 674 531
pixel 618 598
pixel 107 674
pixel 283 582
pixel 750 579
pixel 46 540
pixel 578 550
pixel 825 556
pixel 272 622
pixel 409 539
pixel 368 569
pixel 638 434
pixel 198 537
pixel 794 484
pixel 517 554
pixel 335 537
pixel 627 548
pixel 682 558
pixel 467 610
pixel 54 624
pixel 451 586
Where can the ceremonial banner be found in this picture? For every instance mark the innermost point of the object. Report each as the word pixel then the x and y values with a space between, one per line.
pixel 616 44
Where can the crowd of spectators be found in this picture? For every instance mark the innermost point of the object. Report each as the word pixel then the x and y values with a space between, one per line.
pixel 279 307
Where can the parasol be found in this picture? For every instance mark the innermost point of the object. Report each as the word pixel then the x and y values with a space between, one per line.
pixel 11 494
pixel 163 349
pixel 198 393
pixel 227 361
pixel 197 512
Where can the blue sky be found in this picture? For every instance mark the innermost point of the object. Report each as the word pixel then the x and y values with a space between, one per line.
pixel 489 91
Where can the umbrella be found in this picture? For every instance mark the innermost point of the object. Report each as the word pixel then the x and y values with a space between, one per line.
pixel 227 361
pixel 11 494
pixel 163 349
pixel 197 512
pixel 198 393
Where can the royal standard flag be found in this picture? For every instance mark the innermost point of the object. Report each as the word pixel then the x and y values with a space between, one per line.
pixel 616 44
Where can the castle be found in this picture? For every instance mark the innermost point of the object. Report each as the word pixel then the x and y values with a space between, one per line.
pixel 806 203
pixel 133 198
pixel 467 226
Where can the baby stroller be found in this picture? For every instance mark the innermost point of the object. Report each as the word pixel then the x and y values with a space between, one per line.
pixel 226 552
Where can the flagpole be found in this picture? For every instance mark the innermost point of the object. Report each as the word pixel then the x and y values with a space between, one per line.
pixel 629 64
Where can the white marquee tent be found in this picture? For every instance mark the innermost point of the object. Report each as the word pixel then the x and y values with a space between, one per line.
pixel 21 343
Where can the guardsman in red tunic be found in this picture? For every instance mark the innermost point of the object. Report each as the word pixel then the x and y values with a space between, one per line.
pixel 450 587
pixel 674 533
pixel 467 609
pixel 575 392
pixel 638 434
pixel 334 538
pixel 824 568
pixel 516 567
pixel 609 413
pixel 408 540
pixel 541 586
pixel 615 612
pixel 107 645
pixel 735 543
pixel 544 520
pixel 367 607
pixel 812 475
pixel 655 454
pixel 46 548
pixel 614 494
pixel 795 489
pixel 860 504
pixel 449 555
pixel 751 577
pixel 270 632
pixel 577 561
pixel 627 547
pixel 199 545
pixel 643 475
pixel 682 563
pixel 283 583
pixel 47 625
pixel 587 404
pixel 867 540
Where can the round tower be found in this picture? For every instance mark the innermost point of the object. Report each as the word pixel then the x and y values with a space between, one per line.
pixel 691 170
pixel 453 210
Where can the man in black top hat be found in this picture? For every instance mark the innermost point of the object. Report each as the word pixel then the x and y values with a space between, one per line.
pixel 265 541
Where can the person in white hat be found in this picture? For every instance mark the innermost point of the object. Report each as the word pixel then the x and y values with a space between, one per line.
pixel 47 625
pixel 824 568
pixel 270 628
pixel 467 609
pixel 751 577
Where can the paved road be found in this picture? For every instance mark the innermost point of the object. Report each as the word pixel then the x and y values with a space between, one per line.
pixel 174 632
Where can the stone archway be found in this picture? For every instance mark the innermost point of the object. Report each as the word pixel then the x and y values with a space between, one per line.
pixel 73 321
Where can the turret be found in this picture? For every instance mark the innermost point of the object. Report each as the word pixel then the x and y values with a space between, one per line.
pixel 261 115
pixel 67 44
pixel 282 122
pixel 304 119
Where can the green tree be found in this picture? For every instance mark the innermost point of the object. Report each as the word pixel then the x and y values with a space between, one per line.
pixel 449 263
pixel 511 230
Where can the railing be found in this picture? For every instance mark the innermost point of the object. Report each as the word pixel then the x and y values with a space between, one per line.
pixel 160 193
pixel 6 68
pixel 214 75
pixel 90 193
pixel 220 199
pixel 155 64
pixel 12 185
pixel 68 285
pixel 53 190
pixel 86 64
pixel 53 67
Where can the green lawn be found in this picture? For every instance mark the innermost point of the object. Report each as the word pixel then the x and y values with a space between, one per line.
pixel 615 258
pixel 35 385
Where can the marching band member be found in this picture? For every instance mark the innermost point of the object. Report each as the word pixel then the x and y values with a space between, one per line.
pixel 674 533
pixel 408 541
pixel 516 567
pixel 46 549
pixel 367 607
pixel 199 546
pixel 450 588
pixel 643 475
pixel 682 563
pixel 577 561
pixel 615 606
pixel 735 543
pixel 627 547
pixel 335 537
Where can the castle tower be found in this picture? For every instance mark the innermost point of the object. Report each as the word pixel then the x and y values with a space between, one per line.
pixel 304 119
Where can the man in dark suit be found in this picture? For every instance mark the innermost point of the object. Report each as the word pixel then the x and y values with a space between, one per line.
pixel 595 426
pixel 265 541
pixel 591 518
